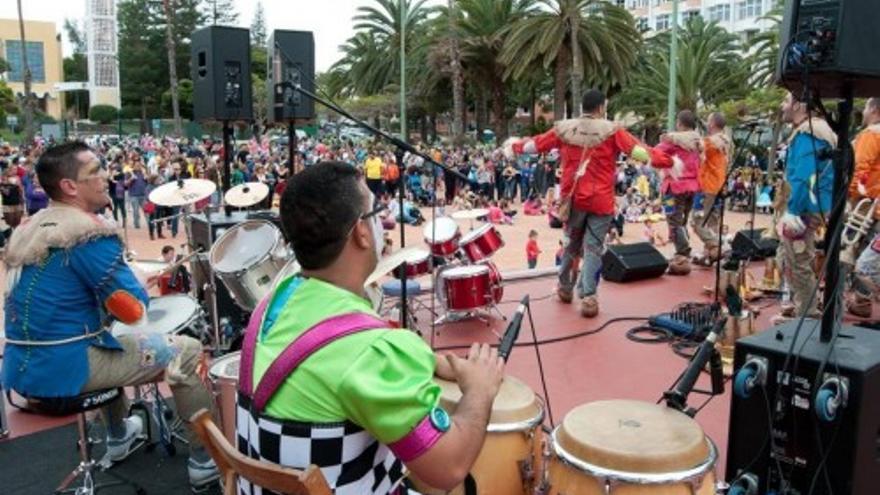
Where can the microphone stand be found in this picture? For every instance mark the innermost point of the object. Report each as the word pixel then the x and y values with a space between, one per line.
pixel 722 194
pixel 403 147
pixel 540 365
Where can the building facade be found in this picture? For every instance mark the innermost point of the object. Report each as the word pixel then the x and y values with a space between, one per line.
pixel 738 16
pixel 43 47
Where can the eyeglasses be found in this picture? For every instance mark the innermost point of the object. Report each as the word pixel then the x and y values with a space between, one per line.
pixel 379 208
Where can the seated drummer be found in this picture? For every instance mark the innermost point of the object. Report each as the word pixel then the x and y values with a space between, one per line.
pixel 361 406
pixel 65 269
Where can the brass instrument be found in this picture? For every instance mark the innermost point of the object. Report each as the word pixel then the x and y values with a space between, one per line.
pixel 858 223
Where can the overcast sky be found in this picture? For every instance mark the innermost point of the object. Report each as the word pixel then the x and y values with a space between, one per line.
pixel 330 20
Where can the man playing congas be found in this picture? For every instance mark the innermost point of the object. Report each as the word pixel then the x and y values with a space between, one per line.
pixel 65 269
pixel 324 381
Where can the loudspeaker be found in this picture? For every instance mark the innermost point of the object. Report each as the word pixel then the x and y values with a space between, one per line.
pixel 825 403
pixel 631 262
pixel 750 244
pixel 829 43
pixel 292 60
pixel 221 74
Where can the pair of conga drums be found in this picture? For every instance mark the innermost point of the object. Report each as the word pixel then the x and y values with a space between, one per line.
pixel 614 447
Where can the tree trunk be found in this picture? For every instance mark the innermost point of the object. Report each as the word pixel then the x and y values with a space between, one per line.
pixel 458 109
pixel 560 81
pixel 423 128
pixel 172 65
pixel 499 100
pixel 533 104
pixel 26 77
pixel 480 113
pixel 577 66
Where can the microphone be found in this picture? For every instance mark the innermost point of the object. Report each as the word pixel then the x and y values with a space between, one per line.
pixel 512 332
pixel 677 397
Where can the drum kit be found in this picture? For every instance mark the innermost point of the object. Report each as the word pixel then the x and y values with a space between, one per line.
pixel 468 283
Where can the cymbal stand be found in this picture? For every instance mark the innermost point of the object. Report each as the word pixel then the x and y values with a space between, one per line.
pixel 210 286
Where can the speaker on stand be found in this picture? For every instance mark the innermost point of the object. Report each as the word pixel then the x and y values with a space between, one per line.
pixel 221 74
pixel 292 60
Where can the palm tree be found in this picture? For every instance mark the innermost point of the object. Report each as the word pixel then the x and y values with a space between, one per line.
pixel 607 44
pixel 710 70
pixel 764 49
pixel 26 73
pixel 455 74
pixel 484 25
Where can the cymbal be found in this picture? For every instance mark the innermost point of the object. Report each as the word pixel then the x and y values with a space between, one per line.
pixel 394 260
pixel 150 267
pixel 470 214
pixel 182 192
pixel 247 194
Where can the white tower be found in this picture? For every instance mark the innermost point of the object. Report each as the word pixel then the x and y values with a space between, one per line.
pixel 102 53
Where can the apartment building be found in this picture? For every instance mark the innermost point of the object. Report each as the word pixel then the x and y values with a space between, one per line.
pixel 738 16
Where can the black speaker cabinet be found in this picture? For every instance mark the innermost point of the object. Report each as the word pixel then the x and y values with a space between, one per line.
pixel 831 43
pixel 631 262
pixel 292 60
pixel 221 73
pixel 776 435
pixel 749 243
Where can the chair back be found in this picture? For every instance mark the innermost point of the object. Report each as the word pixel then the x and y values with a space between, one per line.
pixel 233 464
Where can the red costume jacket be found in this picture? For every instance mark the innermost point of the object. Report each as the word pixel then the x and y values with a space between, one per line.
pixel 686 146
pixel 599 140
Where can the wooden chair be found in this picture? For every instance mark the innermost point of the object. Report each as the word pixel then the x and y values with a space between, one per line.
pixel 233 464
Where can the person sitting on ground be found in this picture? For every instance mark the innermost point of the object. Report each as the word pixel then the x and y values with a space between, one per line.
pixel 496 215
pixel 508 209
pixel 533 206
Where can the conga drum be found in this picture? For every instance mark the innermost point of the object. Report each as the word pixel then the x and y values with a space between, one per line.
pixel 511 459
pixel 628 447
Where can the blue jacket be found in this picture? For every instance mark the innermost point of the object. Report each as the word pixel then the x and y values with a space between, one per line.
pixel 810 177
pixel 61 298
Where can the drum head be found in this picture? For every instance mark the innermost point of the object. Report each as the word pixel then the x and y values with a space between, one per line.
pixel 478 232
pixel 166 314
pixel 416 256
pixel 515 402
pixel 244 245
pixel 465 271
pixel 633 436
pixel 226 366
pixel 440 230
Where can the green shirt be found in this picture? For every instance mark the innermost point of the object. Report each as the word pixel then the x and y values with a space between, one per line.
pixel 379 379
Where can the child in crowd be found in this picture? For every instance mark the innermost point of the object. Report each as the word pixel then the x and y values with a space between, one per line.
pixel 533 206
pixel 532 249
pixel 652 235
pixel 559 253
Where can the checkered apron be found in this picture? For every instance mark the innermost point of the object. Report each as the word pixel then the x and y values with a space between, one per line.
pixel 351 460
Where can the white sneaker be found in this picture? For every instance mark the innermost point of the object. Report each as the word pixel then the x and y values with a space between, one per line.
pixel 119 448
pixel 201 474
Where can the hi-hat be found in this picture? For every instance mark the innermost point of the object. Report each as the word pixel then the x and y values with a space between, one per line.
pixel 392 261
pixel 470 214
pixel 247 194
pixel 182 192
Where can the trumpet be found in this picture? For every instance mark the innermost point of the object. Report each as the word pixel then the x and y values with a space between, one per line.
pixel 858 223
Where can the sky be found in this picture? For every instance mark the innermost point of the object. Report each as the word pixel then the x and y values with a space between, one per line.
pixel 330 20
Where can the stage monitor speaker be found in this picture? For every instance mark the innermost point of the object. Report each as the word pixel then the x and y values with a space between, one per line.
pixel 830 43
pixel 749 243
pixel 221 74
pixel 783 421
pixel 292 60
pixel 632 262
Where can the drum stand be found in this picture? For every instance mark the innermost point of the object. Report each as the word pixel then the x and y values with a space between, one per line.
pixel 157 411
pixel 210 286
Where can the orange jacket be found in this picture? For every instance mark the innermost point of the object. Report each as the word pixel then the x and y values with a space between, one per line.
pixel 867 157
pixel 714 168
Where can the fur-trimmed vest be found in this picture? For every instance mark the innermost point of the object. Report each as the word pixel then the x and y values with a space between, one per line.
pixel 686 146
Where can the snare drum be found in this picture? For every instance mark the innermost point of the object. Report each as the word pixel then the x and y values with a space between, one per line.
pixel 224 383
pixel 418 263
pixel 482 243
pixel 247 257
pixel 174 314
pixel 510 461
pixel 442 236
pixel 467 288
pixel 627 447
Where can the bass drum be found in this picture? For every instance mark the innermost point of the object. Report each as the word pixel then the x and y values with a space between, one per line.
pixel 628 447
pixel 510 462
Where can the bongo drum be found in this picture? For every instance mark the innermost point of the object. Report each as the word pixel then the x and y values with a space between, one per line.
pixel 510 461
pixel 628 447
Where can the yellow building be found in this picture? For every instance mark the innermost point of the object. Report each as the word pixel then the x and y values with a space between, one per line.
pixel 44 57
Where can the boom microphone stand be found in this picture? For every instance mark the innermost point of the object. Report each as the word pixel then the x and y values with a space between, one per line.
pixel 403 147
